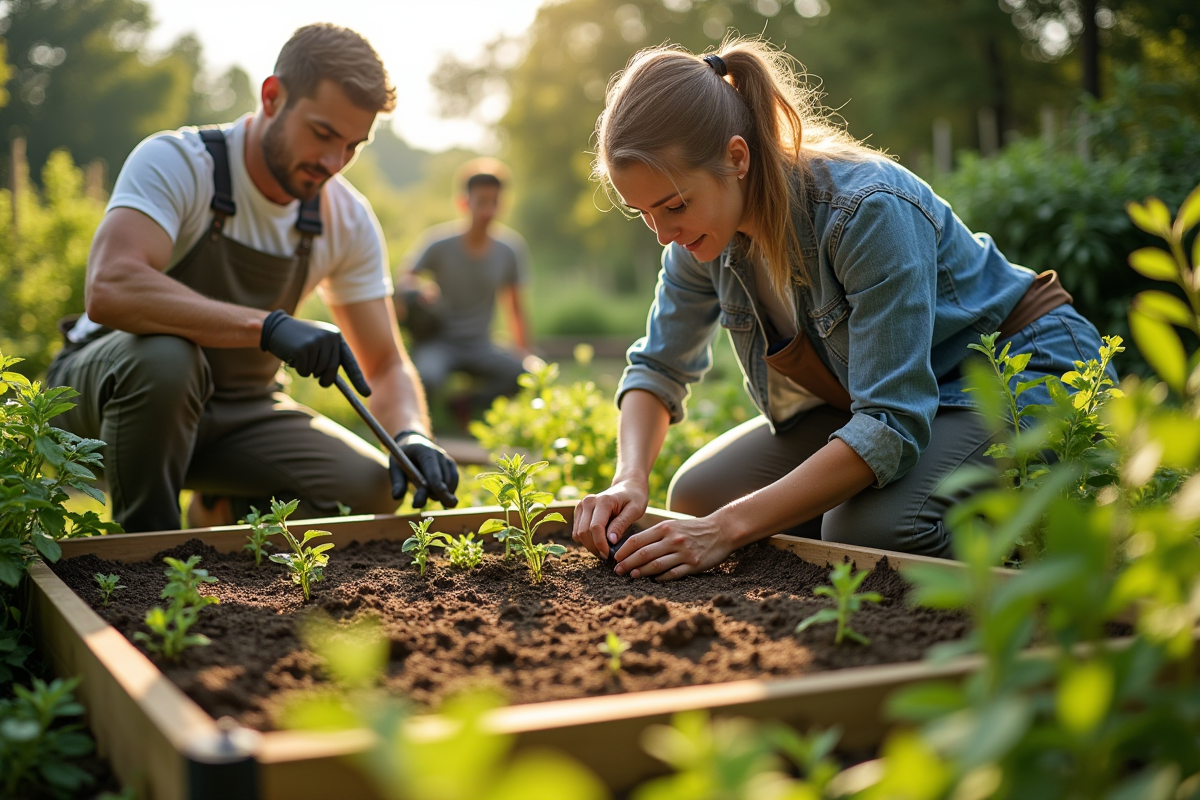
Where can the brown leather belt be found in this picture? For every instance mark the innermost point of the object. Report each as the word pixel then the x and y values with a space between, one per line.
pixel 799 360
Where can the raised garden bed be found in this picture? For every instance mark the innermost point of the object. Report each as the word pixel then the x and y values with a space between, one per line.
pixel 722 641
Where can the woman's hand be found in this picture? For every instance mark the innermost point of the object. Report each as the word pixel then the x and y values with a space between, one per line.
pixel 675 548
pixel 602 519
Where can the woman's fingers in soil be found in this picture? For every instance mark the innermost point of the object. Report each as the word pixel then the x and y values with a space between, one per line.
pixel 659 565
pixel 591 519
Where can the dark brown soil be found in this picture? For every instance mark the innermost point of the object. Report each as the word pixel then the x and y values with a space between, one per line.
pixel 451 629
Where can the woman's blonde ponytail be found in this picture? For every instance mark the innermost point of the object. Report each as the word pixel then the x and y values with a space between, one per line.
pixel 670 109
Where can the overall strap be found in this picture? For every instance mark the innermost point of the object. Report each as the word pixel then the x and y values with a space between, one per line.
pixel 222 203
pixel 309 224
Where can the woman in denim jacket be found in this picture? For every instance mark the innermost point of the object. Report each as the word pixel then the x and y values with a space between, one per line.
pixel 850 292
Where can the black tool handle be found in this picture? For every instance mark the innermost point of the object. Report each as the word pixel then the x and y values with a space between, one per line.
pixel 414 475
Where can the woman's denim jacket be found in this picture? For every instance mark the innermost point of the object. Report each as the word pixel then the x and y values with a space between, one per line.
pixel 896 289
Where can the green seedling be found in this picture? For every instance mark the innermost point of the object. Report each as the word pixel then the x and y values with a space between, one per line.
pixel 169 626
pixel 343 509
pixel 419 543
pixel 513 488
pixel 305 562
pixel 108 586
pixel 844 592
pixel 465 552
pixel 614 647
pixel 262 527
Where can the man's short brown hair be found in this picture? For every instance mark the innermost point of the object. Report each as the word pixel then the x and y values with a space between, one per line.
pixel 481 172
pixel 329 52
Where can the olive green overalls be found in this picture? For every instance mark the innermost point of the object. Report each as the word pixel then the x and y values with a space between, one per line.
pixel 176 415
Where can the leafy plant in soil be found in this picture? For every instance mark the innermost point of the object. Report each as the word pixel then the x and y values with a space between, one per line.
pixel 108 584
pixel 262 528
pixel 305 562
pixel 419 543
pixel 844 592
pixel 614 647
pixel 169 626
pixel 36 745
pixel 513 488
pixel 464 552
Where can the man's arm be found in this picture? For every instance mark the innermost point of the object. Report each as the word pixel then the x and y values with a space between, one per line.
pixel 397 396
pixel 517 323
pixel 127 289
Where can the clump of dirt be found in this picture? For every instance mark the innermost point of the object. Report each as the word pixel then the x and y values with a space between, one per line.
pixel 451 629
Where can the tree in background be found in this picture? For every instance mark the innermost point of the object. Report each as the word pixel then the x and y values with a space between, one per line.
pixel 83 80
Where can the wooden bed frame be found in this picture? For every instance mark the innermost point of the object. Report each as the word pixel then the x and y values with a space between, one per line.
pixel 163 744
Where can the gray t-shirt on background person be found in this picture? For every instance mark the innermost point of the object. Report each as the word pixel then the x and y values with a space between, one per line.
pixel 469 283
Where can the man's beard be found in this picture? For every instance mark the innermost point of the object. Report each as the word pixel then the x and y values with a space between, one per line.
pixel 275 152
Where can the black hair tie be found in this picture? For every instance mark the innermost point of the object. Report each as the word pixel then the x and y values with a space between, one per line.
pixel 717 63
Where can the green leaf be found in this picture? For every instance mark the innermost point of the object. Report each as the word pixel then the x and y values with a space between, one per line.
pixel 49 548
pixel 924 702
pixel 1154 263
pixel 936 586
pixel 1152 216
pixel 555 549
pixel 1161 347
pixel 1156 782
pixel 491 526
pixel 823 616
pixel 1189 212
pixel 1164 307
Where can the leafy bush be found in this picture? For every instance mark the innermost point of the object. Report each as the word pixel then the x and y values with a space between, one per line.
pixel 1049 209
pixel 43 262
pixel 36 745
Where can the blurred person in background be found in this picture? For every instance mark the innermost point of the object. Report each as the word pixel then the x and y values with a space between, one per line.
pixel 449 287
pixel 211 240
pixel 850 292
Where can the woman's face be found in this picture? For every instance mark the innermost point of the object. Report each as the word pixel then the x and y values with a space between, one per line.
pixel 697 210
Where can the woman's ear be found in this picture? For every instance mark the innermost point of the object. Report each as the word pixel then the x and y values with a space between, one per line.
pixel 737 157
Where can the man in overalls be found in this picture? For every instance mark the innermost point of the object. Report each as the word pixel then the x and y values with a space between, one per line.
pixel 211 240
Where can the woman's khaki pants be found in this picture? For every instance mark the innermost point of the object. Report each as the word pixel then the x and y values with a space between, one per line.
pixel 906 515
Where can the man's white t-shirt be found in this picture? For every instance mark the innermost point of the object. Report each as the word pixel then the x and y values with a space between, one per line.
pixel 169 178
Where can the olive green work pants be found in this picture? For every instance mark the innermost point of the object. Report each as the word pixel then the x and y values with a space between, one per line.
pixel 906 515
pixel 151 399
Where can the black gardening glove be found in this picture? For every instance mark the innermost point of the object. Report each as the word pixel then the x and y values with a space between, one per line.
pixel 311 348
pixel 438 469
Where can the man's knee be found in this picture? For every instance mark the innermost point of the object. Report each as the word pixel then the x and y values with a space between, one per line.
pixel 168 367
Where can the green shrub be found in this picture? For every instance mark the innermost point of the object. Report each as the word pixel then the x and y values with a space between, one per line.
pixel 1049 209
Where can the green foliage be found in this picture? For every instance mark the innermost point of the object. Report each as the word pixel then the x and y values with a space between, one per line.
pixel 844 592
pixel 108 585
pixel 1083 717
pixel 514 490
pixel 1047 208
pixel 262 527
pixel 169 626
pixel 37 745
pixel 614 647
pixel 44 258
pixel 574 430
pixel 38 464
pixel 305 562
pixel 461 760
pixel 736 759
pixel 464 552
pixel 419 543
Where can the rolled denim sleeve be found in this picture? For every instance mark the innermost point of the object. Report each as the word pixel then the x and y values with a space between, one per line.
pixel 886 258
pixel 677 348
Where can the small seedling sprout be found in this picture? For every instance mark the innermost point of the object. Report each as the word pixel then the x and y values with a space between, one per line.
pixel 108 586
pixel 419 543
pixel 262 526
pixel 305 562
pixel 169 627
pixel 614 647
pixel 513 488
pixel 845 583
pixel 465 552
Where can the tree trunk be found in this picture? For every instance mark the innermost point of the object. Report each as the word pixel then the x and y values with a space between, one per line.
pixel 1090 48
pixel 995 66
